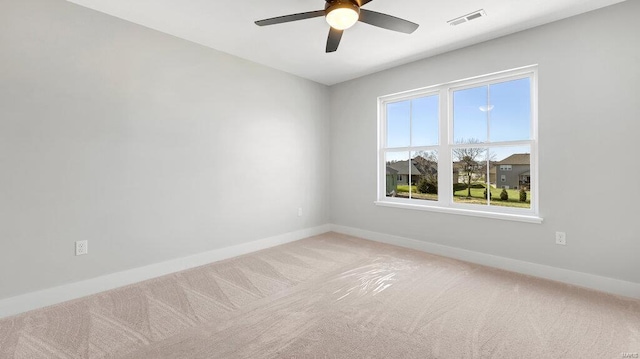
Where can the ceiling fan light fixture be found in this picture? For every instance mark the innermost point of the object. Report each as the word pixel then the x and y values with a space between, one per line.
pixel 341 15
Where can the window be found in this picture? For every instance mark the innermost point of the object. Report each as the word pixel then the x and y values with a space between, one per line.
pixel 412 140
pixel 452 140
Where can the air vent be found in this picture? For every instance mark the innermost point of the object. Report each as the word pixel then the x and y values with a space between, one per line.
pixel 466 18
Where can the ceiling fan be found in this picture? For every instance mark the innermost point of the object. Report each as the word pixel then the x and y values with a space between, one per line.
pixel 341 15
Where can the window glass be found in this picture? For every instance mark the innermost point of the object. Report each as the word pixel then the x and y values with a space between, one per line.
pixel 397 172
pixel 470 175
pixel 399 124
pixel 515 181
pixel 425 167
pixel 470 115
pixel 424 121
pixel 510 115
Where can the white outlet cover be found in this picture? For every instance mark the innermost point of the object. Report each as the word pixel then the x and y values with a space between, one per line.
pixel 82 247
pixel 561 238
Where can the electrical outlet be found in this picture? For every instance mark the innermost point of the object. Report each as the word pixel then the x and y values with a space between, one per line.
pixel 82 247
pixel 300 212
pixel 561 238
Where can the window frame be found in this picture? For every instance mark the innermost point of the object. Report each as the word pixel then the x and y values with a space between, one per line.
pixel 445 203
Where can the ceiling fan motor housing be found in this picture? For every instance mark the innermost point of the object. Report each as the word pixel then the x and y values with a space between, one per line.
pixel 338 4
pixel 341 14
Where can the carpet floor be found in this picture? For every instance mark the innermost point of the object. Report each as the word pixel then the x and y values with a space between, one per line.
pixel 332 296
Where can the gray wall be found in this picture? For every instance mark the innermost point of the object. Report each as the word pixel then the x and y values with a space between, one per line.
pixel 589 114
pixel 149 146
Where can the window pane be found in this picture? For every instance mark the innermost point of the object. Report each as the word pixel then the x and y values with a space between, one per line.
pixel 470 110
pixel 470 175
pixel 510 114
pixel 510 176
pixel 397 174
pixel 398 124
pixel 425 175
pixel 424 121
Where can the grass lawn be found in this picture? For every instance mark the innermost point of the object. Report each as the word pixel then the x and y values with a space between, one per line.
pixel 477 196
pixel 403 191
pixel 405 188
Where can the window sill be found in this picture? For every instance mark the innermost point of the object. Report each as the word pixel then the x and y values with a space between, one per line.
pixel 464 212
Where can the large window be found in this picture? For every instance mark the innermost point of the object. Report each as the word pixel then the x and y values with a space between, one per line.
pixel 466 147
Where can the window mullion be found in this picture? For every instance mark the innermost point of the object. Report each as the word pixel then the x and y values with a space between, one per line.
pixel 445 169
pixel 488 153
pixel 410 147
pixel 493 144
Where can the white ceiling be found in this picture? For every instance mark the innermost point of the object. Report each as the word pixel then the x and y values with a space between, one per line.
pixel 298 47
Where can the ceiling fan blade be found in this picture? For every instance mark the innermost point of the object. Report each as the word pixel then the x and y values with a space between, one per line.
pixel 387 21
pixel 334 39
pixel 289 18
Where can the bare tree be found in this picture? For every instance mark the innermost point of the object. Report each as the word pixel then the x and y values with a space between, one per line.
pixel 471 160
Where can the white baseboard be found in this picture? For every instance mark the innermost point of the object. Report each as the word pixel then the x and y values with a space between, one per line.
pixel 592 281
pixel 63 293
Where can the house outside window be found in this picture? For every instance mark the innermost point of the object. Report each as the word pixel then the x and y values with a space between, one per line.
pixel 451 142
pixel 516 174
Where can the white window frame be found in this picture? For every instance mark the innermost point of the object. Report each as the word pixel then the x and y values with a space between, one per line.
pixel 445 203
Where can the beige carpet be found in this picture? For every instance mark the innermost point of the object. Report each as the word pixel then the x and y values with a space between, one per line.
pixel 332 296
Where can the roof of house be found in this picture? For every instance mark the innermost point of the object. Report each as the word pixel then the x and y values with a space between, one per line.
pixel 516 159
pixel 391 170
pixel 402 168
